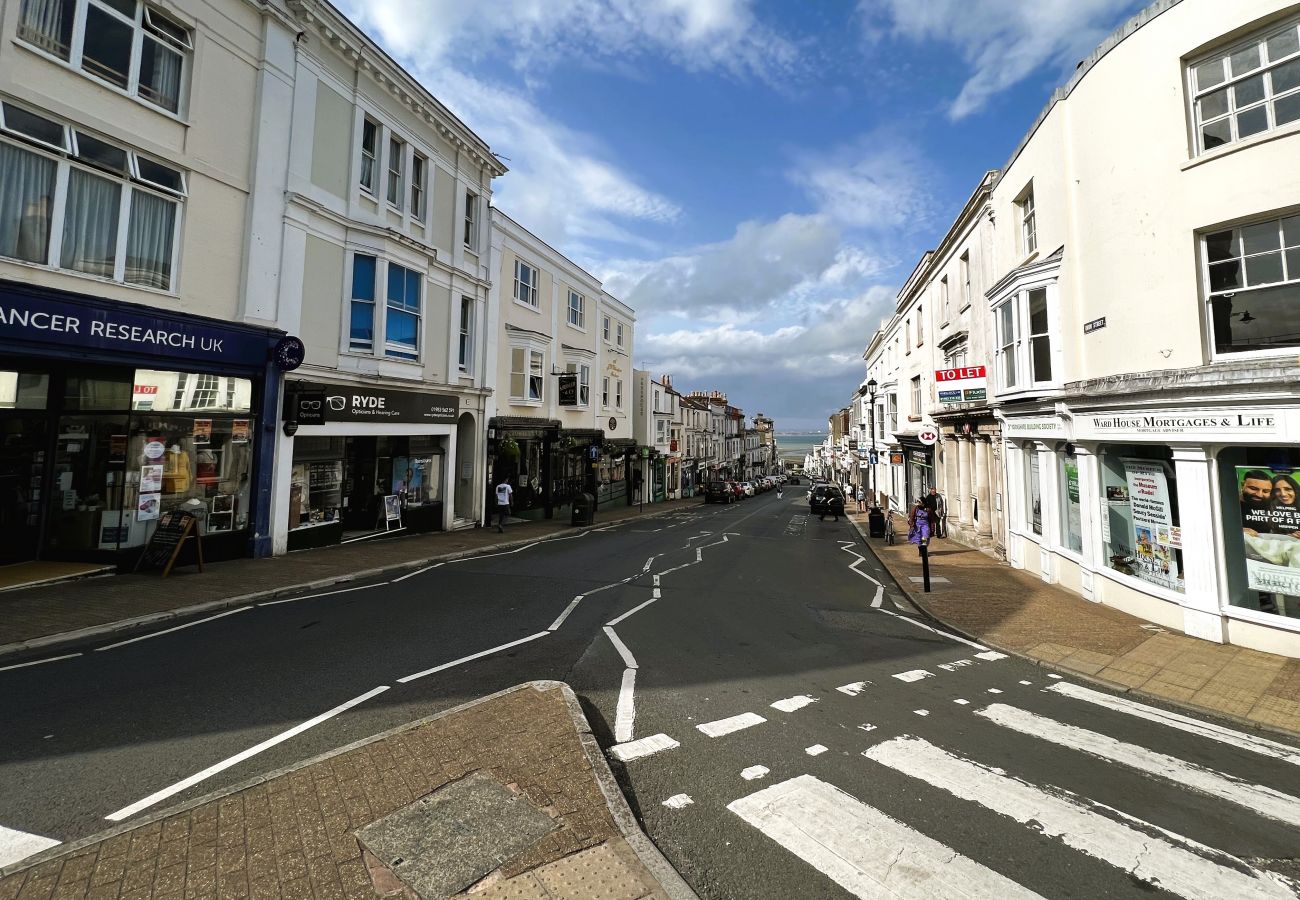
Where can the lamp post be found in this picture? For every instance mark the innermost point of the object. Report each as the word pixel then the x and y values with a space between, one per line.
pixel 871 425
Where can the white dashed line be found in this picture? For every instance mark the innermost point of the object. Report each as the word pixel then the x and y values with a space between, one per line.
pixel 866 726
pixel 573 604
pixel 37 662
pixel 815 750
pixel 754 772
pixel 1027 683
pixel 853 689
pixel 962 702
pixel 921 712
pixel 728 725
pixel 473 656
pixel 646 746
pixel 145 637
pixel 914 675
pixel 790 704
pixel 678 801
pixel 994 691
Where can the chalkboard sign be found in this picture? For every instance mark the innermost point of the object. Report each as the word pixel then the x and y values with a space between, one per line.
pixel 173 530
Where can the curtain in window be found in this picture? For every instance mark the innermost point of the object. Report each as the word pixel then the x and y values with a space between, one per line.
pixel 43 24
pixel 26 200
pixel 160 74
pixel 149 241
pixel 90 224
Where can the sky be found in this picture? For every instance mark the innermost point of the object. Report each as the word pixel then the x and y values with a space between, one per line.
pixel 755 179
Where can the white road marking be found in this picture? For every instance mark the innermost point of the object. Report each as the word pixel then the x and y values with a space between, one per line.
pixel 728 725
pixel 753 772
pixel 646 746
pixel 18 845
pixel 790 704
pixel 1239 739
pixel 37 662
pixel 962 702
pixel 573 604
pixel 952 637
pixel 934 579
pixel 1150 854
pixel 634 609
pixel 628 659
pixel 657 585
pixel 417 572
pixel 145 637
pixel 348 590
pixel 127 811
pixel 473 656
pixel 994 691
pixel 921 712
pixel 866 726
pixel 914 675
pixel 853 689
pixel 991 655
pixel 625 715
pixel 678 801
pixel 1259 799
pixel 816 750
pixel 879 596
pixel 864 851
pixel 959 664
pixel 656 593
pixel 1027 683
pixel 648 563
pixel 1052 675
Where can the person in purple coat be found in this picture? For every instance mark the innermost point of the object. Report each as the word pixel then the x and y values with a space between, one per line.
pixel 918 524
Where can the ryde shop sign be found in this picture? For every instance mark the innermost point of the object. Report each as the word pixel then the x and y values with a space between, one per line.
pixel 124 328
pixel 363 404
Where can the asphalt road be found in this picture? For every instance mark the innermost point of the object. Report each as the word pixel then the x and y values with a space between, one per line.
pixel 782 720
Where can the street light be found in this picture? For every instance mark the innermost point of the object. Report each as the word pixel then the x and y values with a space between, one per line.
pixel 871 425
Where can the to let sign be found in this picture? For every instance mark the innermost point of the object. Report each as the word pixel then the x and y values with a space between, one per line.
pixel 966 384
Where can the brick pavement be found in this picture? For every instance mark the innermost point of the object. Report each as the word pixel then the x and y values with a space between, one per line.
pixel 291 834
pixel 63 614
pixel 1016 611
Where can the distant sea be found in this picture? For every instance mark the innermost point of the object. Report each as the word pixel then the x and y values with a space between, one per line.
pixel 796 446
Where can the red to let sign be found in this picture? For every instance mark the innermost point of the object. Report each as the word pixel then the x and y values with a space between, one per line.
pixel 963 374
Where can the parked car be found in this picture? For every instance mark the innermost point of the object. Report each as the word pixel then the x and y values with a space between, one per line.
pixel 749 488
pixel 738 490
pixel 718 492
pixel 826 500
pixel 793 479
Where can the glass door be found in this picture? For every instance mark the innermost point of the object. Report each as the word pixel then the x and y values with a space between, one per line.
pixel 87 507
pixel 22 477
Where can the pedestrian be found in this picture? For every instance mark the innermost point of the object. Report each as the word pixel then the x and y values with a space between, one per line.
pixel 938 513
pixel 918 524
pixel 862 499
pixel 504 493
pixel 780 489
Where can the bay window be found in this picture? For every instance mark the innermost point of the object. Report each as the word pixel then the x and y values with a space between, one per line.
pixel 127 44
pixel 527 381
pixel 1008 342
pixel 89 206
pixel 1023 324
pixel 1248 88
pixel 1252 276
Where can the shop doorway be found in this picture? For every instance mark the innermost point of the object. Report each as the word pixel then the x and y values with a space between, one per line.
pixel 466 453
pixel 23 447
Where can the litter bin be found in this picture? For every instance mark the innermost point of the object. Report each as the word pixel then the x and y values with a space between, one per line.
pixel 876 522
pixel 584 509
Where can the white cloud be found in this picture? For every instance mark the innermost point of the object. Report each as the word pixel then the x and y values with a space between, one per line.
pixel 697 35
pixel 1003 40
pixel 876 182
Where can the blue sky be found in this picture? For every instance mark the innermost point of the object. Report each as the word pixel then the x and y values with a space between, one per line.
pixel 755 179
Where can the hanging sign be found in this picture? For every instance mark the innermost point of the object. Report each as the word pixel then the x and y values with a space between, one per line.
pixel 1270 528
pixel 568 389
pixel 929 435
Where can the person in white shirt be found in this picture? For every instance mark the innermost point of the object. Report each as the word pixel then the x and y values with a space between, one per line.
pixel 504 493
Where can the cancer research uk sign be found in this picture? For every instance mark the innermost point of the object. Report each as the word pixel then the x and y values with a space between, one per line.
pixel 967 384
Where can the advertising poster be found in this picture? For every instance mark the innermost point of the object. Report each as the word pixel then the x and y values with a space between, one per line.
pixel 151 479
pixel 1073 508
pixel 116 449
pixel 239 431
pixel 148 507
pixel 202 432
pixel 1270 528
pixel 1154 559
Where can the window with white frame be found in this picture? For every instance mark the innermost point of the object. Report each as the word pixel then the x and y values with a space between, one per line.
pixel 527 374
pixel 954 356
pixel 618 394
pixel 943 297
pixel 1033 492
pixel 470 235
pixel 398 330
pixel 618 334
pixel 1252 277
pixel 893 413
pixel 205 391
pixel 604 392
pixel 920 326
pixel 964 263
pixel 1024 343
pixel 1247 89
pixel 526 283
pixel 584 381
pixel 130 45
pixel 916 395
pixel 605 327
pixel 661 430
pixel 71 200
pixel 577 310
pixel 465 354
pixel 396 162
pixel 369 153
pixel 419 168
pixel 1028 222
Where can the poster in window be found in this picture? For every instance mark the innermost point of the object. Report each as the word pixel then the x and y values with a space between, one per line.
pixel 1154 557
pixel 239 431
pixel 151 479
pixel 1270 528
pixel 116 449
pixel 202 432
pixel 148 507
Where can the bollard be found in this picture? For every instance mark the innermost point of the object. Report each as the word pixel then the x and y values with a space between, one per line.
pixel 925 565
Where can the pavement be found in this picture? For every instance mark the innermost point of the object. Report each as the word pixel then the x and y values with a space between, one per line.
pixel 331 827
pixel 986 599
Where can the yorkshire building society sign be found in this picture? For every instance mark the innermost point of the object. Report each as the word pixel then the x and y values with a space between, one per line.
pixel 364 404
pixel 967 384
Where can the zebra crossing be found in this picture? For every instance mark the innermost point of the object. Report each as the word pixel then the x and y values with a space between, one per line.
pixel 860 842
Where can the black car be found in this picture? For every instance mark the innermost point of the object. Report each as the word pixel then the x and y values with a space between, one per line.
pixel 826 500
pixel 718 492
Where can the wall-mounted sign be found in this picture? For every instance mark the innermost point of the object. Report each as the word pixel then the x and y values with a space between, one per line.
pixel 1043 427
pixel 613 424
pixel 289 353
pixel 367 404
pixel 1094 325
pixel 1208 423
pixel 568 389
pixel 964 384
pixel 896 458
pixel 853 445
pixel 928 435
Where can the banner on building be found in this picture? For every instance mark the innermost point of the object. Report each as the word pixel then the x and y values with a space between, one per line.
pixel 1270 528
pixel 1154 559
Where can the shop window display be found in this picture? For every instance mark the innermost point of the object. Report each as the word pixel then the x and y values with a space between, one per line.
pixel 1140 523
pixel 1033 492
pixel 1260 503
pixel 1071 502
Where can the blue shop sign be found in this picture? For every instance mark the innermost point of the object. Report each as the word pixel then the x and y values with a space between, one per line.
pixel 99 325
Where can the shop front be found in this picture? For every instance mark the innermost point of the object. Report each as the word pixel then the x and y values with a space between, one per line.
pixel 617 461
pixel 920 469
pixel 522 449
pixel 366 462
pixel 1187 517
pixel 112 414
pixel 575 462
